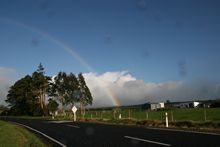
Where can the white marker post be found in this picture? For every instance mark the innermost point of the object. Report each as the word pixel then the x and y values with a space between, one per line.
pixel 119 116
pixel 74 109
pixel 166 119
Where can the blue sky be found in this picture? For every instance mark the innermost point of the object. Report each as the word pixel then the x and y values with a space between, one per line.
pixel 154 40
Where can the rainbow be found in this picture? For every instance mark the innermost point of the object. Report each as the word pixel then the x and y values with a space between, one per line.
pixel 70 50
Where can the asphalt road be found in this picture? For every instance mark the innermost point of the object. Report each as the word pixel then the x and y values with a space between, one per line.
pixel 71 134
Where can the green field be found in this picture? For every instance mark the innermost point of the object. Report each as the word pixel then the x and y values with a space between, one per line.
pixel 16 136
pixel 193 114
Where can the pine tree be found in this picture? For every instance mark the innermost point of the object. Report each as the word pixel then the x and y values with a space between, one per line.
pixel 40 85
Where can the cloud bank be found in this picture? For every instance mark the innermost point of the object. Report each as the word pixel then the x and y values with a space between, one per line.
pixel 130 90
pixel 6 81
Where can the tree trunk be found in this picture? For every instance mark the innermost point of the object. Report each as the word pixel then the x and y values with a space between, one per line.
pixel 81 111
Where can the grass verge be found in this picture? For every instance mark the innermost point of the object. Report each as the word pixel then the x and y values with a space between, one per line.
pixel 207 126
pixel 16 136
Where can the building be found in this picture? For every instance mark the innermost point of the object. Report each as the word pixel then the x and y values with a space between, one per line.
pixel 189 104
pixel 155 106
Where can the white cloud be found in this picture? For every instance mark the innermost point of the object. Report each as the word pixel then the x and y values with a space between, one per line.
pixel 6 81
pixel 130 90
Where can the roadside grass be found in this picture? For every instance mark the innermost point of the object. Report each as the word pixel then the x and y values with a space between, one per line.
pixel 189 118
pixel 33 117
pixel 192 114
pixel 194 119
pixel 15 136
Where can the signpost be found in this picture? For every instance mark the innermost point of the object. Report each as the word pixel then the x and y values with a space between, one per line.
pixel 74 109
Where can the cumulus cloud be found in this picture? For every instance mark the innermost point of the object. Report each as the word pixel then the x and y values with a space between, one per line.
pixel 130 90
pixel 5 82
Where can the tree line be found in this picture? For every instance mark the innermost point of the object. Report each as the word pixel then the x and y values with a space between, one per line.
pixel 38 94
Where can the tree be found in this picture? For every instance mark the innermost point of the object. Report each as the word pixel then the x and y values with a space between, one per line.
pixel 21 98
pixel 40 69
pixel 59 88
pixel 72 89
pixel 40 85
pixel 52 105
pixel 85 94
pixel 28 95
pixel 66 88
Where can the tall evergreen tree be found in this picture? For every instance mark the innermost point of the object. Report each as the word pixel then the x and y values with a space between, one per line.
pixel 59 88
pixel 21 98
pixel 66 88
pixel 52 105
pixel 85 94
pixel 40 85
pixel 72 89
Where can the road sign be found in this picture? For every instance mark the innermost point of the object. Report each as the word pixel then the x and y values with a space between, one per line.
pixel 74 109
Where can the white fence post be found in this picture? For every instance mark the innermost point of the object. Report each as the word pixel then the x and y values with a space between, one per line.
pixel 166 120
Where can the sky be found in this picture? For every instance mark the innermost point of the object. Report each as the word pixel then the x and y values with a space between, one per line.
pixel 130 51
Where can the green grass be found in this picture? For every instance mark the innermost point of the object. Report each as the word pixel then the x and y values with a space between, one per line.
pixel 16 136
pixel 193 114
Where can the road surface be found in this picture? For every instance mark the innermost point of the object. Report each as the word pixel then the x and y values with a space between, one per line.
pixel 66 133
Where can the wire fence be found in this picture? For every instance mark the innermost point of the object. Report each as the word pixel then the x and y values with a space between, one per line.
pixel 194 114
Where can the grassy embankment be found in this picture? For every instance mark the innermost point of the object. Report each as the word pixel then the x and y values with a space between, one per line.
pixel 16 136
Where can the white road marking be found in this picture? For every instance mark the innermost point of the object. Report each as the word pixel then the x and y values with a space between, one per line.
pixel 73 126
pixel 186 131
pixel 59 122
pixel 149 141
pixel 52 139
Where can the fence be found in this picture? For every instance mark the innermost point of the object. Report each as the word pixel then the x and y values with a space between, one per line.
pixel 195 114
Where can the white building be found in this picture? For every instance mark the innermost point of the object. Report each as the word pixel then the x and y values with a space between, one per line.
pixel 195 104
pixel 192 104
pixel 155 106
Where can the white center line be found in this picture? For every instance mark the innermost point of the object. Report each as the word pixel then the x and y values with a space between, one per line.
pixel 186 131
pixel 149 141
pixel 73 126
pixel 54 140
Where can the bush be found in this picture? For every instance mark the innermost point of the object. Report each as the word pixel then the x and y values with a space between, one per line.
pixel 151 123
pixel 187 124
